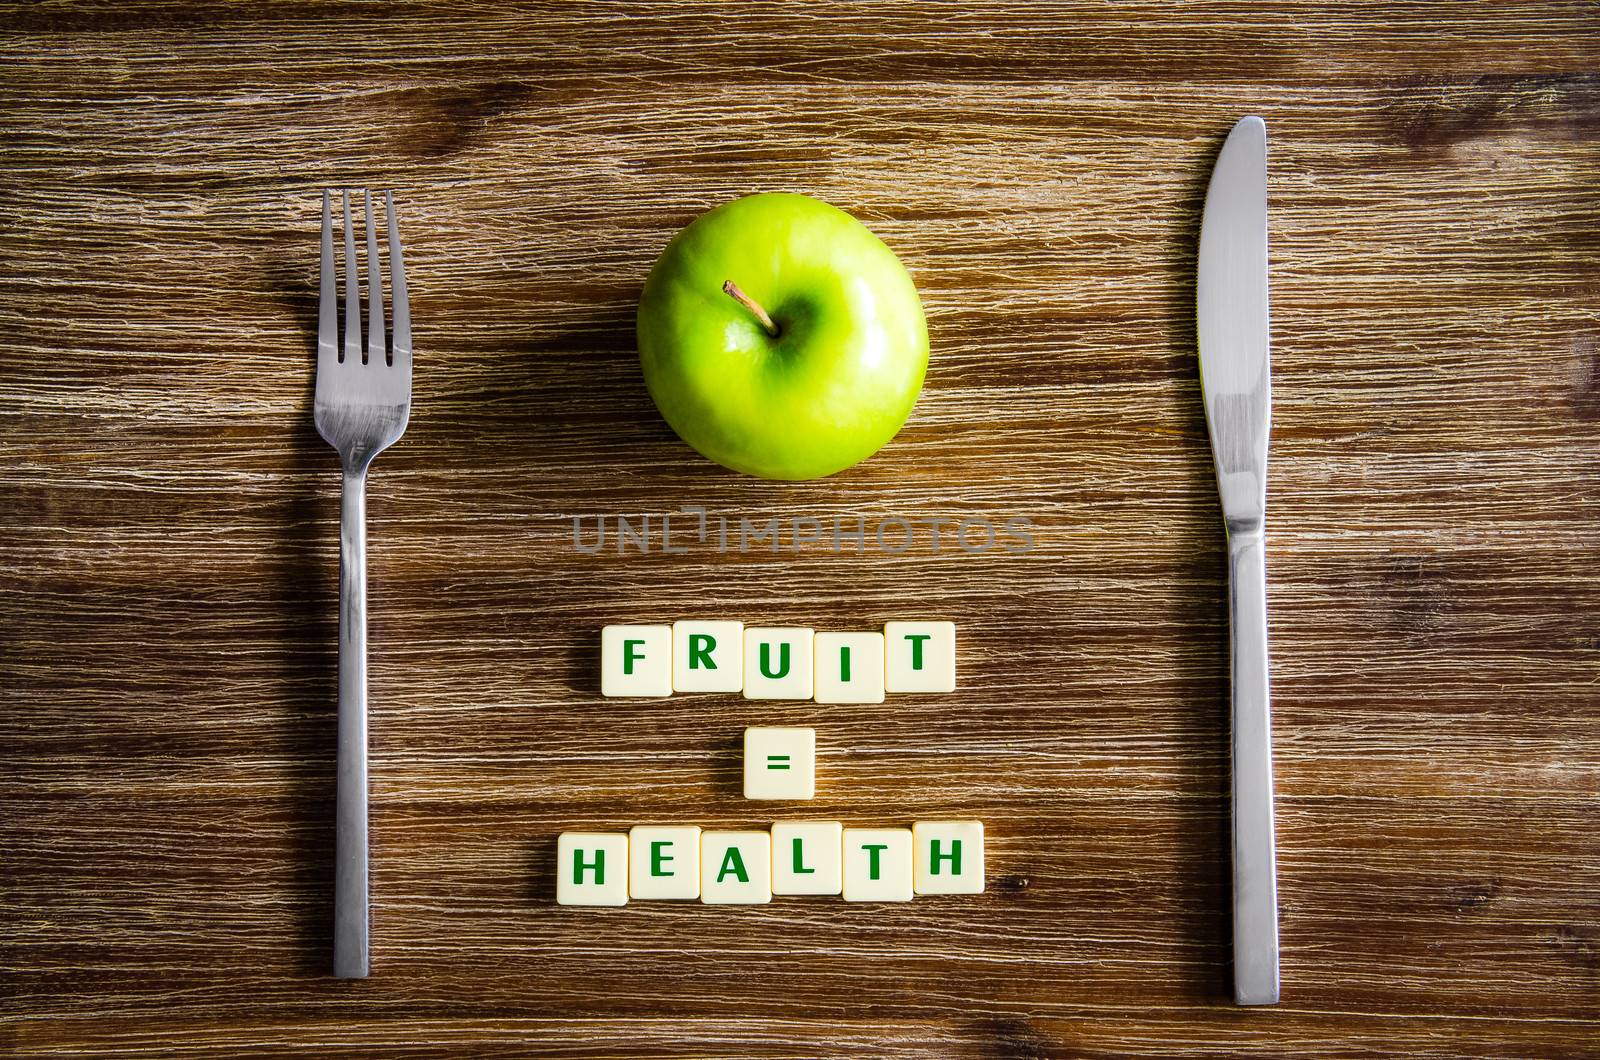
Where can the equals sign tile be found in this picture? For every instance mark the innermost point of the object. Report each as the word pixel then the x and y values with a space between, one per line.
pixel 777 761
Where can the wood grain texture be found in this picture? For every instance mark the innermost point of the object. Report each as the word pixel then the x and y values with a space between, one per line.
pixel 168 550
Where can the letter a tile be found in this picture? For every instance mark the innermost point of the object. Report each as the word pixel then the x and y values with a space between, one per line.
pixel 735 868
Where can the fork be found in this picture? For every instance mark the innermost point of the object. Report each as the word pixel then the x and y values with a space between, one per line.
pixel 362 404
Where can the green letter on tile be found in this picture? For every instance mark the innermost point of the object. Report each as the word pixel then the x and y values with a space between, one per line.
pixel 658 858
pixel 766 661
pixel 629 655
pixel 916 640
pixel 701 645
pixel 874 850
pixel 597 866
pixel 733 862
pixel 953 857
pixel 800 859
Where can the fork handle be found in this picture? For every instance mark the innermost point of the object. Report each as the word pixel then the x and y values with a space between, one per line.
pixel 350 947
pixel 1255 884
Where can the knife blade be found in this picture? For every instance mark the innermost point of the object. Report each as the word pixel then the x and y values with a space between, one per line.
pixel 1236 382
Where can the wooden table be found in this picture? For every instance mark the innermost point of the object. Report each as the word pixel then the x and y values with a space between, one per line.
pixel 170 548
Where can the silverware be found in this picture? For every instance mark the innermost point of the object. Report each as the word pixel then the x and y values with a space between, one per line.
pixel 363 402
pixel 1235 376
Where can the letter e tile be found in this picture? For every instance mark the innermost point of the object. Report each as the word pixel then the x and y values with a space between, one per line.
pixel 664 862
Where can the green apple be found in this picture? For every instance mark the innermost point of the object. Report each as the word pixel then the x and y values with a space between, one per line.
pixel 781 338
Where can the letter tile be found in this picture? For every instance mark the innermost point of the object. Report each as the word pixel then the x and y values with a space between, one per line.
pixel 949 857
pixel 735 868
pixel 807 857
pixel 877 864
pixel 636 661
pixel 592 868
pixel 849 668
pixel 707 656
pixel 664 861
pixel 777 662
pixel 919 656
pixel 780 763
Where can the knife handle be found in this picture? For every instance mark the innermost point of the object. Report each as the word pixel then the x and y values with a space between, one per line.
pixel 1255 884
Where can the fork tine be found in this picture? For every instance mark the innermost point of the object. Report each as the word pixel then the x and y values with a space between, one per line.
pixel 328 304
pixel 352 291
pixel 397 289
pixel 375 336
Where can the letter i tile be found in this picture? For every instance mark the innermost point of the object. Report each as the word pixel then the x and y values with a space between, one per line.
pixel 849 668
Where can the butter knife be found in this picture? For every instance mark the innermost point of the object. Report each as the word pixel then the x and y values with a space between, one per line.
pixel 1235 377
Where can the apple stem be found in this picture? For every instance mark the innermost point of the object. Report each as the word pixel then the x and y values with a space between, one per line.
pixel 732 290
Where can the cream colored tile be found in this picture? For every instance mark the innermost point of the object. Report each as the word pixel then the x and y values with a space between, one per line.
pixel 780 763
pixel 592 868
pixel 636 661
pixel 948 857
pixel 919 656
pixel 877 864
pixel 735 868
pixel 777 662
pixel 849 668
pixel 707 656
pixel 807 857
pixel 664 861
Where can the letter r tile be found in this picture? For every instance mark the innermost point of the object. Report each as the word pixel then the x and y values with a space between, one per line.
pixel 707 656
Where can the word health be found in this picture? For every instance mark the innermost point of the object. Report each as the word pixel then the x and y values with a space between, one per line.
pixel 820 858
